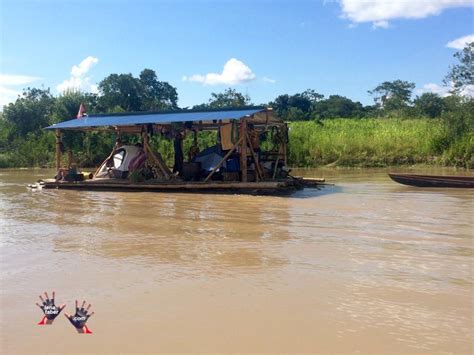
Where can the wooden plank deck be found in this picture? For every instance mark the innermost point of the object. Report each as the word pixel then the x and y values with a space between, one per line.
pixel 263 187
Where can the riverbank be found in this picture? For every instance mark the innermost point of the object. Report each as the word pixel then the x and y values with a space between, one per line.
pixel 333 142
pixel 377 143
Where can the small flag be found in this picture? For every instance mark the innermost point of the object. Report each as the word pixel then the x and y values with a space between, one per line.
pixel 82 111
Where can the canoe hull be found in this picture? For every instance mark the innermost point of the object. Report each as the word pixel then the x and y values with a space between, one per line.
pixel 434 180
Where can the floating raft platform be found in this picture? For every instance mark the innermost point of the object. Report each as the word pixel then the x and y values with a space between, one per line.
pixel 251 169
pixel 286 186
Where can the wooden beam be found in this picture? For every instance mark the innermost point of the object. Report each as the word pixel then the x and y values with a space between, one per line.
pixel 243 150
pixel 155 157
pixel 255 159
pixel 125 184
pixel 112 153
pixel 58 149
pixel 276 166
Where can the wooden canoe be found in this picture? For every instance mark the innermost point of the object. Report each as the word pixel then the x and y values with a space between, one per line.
pixel 433 180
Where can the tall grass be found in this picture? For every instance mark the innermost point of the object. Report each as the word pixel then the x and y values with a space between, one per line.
pixel 335 142
pixel 365 142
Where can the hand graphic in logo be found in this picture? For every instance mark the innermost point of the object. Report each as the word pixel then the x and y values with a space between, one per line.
pixel 79 319
pixel 50 310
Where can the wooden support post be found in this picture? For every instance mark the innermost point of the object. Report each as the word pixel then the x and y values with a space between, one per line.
pixel 155 157
pixel 276 167
pixel 58 149
pixel 105 161
pixel 284 145
pixel 255 159
pixel 243 149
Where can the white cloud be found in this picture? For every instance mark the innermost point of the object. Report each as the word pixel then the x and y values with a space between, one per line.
pixel 84 66
pixel 234 72
pixel 468 91
pixel 444 91
pixel 6 79
pixel 9 94
pixel 460 43
pixel 380 24
pixel 79 79
pixel 269 80
pixel 379 12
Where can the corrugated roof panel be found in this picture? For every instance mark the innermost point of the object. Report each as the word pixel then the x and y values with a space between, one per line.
pixel 147 118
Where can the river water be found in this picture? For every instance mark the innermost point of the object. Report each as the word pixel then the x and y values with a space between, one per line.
pixel 365 266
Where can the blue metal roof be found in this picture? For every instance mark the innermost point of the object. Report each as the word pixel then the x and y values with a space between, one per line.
pixel 128 119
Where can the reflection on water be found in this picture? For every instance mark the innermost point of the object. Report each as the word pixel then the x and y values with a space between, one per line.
pixel 199 230
pixel 368 265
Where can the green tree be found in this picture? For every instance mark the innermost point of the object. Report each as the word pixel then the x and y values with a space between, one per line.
pixel 156 95
pixel 312 95
pixel 451 102
pixel 30 112
pixel 393 95
pixel 338 106
pixel 291 107
pixel 429 104
pixel 5 128
pixel 230 98
pixel 295 114
pixel 120 90
pixel 124 92
pixel 296 107
pixel 65 108
pixel 461 75
pixel 67 104
pixel 458 115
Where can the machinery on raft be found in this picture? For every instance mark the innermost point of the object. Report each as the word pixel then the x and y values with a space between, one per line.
pixel 249 154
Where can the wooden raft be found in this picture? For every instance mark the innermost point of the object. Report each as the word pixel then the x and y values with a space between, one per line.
pixel 272 187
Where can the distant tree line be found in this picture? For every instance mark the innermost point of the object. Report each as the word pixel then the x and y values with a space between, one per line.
pixel 22 122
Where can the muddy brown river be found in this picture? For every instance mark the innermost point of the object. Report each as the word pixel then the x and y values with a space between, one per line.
pixel 365 266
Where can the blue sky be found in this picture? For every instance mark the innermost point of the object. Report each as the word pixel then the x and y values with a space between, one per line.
pixel 341 47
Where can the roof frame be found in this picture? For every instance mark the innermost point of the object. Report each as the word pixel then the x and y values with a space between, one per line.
pixel 210 119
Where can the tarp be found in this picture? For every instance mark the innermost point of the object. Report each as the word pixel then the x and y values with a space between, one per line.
pixel 129 119
pixel 210 158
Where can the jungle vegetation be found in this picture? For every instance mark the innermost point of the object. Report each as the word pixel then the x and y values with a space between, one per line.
pixel 399 128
